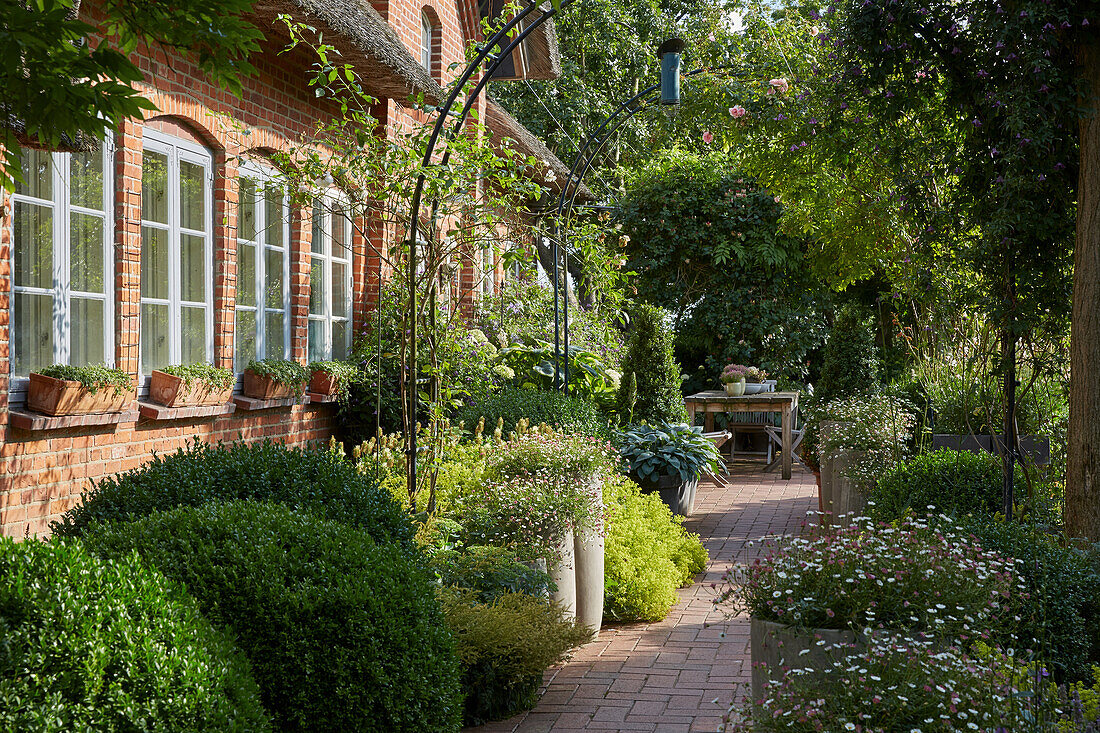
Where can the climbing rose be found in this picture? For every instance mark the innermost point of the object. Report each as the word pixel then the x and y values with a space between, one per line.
pixel 738 111
pixel 708 137
pixel 779 85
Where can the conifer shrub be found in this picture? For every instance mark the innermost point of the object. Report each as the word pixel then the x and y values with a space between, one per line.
pixel 88 644
pixel 647 555
pixel 850 358
pixel 653 393
pixel 313 480
pixel 343 632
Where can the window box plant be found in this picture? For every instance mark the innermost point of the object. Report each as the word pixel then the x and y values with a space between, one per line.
pixel 668 459
pixel 331 378
pixel 273 379
pixel 733 379
pixel 69 390
pixel 191 385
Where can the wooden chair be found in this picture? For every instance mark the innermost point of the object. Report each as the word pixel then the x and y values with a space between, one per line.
pixel 775 441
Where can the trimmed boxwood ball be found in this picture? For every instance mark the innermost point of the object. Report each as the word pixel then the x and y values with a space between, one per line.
pixel 88 644
pixel 314 480
pixel 344 633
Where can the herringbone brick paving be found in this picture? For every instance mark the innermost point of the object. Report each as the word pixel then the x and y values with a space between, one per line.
pixel 677 675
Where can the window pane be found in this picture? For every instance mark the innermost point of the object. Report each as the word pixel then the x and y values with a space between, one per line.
pixel 154 187
pixel 192 196
pixel 339 339
pixel 86 179
pixel 341 227
pixel 154 337
pixel 86 335
pixel 339 290
pixel 33 245
pixel 274 344
pixel 193 324
pixel 274 217
pixel 86 255
pixel 317 241
pixel 273 278
pixel 37 167
pixel 316 339
pixel 154 263
pixel 246 274
pixel 245 339
pixel 32 332
pixel 246 226
pixel 317 287
pixel 192 268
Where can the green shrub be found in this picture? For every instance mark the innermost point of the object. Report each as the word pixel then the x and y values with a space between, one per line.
pixel 954 482
pixel 312 480
pixel 556 409
pixel 504 646
pixel 490 572
pixel 344 633
pixel 653 393
pixel 1060 609
pixel 647 556
pixel 850 359
pixel 94 645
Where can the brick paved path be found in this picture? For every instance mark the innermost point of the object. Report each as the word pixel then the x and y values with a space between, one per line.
pixel 675 675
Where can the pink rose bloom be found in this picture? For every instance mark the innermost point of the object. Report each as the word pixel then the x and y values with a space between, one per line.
pixel 708 137
pixel 736 112
pixel 779 85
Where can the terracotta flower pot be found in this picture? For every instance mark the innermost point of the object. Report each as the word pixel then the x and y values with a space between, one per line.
pixel 172 391
pixel 65 397
pixel 323 383
pixel 262 387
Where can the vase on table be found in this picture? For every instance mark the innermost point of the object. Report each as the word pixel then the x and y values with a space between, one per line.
pixel 735 389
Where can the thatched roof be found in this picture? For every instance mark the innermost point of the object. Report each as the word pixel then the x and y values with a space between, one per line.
pixel 507 130
pixel 365 40
pixel 537 58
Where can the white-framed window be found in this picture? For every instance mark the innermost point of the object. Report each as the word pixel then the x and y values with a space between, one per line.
pixel 488 269
pixel 263 268
pixel 177 314
pixel 62 264
pixel 427 41
pixel 329 330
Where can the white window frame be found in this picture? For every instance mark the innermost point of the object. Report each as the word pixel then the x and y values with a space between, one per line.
pixel 177 150
pixel 427 41
pixel 264 176
pixel 62 207
pixel 331 252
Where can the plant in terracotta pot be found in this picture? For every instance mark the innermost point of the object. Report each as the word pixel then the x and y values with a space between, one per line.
pixel 733 379
pixel 332 378
pixel 840 587
pixel 191 385
pixel 70 390
pixel 272 379
pixel 669 458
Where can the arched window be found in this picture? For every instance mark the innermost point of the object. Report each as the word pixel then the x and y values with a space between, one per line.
pixel 177 314
pixel 427 41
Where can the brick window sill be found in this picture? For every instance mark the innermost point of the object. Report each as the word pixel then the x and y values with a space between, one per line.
pixel 251 403
pixel 23 419
pixel 153 411
pixel 321 399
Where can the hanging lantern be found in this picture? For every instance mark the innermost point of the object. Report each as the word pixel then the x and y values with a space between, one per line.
pixel 669 52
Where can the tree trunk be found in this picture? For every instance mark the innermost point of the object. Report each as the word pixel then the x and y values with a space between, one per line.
pixel 1083 463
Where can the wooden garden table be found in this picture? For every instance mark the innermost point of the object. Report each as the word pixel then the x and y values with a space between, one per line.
pixel 715 400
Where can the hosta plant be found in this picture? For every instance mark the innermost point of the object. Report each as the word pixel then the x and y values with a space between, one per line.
pixel 652 451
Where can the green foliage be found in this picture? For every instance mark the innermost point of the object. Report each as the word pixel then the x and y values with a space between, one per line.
pixel 284 371
pixel 654 392
pixel 489 572
pixel 345 374
pixel 647 555
pixel 1060 608
pixel 504 647
pixel 851 364
pixel 650 452
pixel 310 480
pixel 207 374
pixel 93 378
pixel 92 645
pixel 589 378
pixel 511 405
pixel 343 632
pixel 954 482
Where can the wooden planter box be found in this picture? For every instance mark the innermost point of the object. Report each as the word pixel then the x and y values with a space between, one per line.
pixel 172 391
pixel 323 383
pixel 265 388
pixel 63 397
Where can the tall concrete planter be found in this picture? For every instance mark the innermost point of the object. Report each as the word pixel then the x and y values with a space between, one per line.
pixel 840 495
pixel 588 552
pixel 776 647
pixel 563 571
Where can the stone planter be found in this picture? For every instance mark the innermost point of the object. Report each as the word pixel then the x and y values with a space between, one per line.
pixel 678 497
pixel 563 572
pixel 172 391
pixel 323 383
pixel 52 396
pixel 588 554
pixel 757 387
pixel 840 496
pixel 265 388
pixel 776 647
pixel 1035 447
